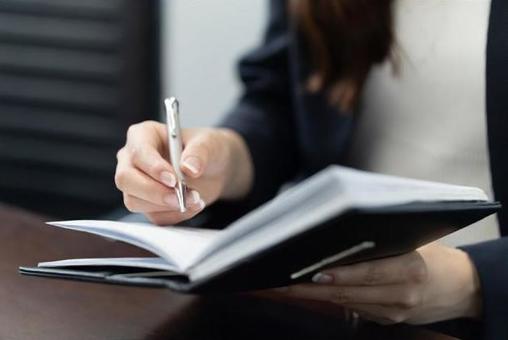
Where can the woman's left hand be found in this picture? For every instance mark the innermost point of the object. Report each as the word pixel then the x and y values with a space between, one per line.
pixel 431 284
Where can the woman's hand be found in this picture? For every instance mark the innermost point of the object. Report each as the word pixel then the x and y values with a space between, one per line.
pixel 431 284
pixel 216 163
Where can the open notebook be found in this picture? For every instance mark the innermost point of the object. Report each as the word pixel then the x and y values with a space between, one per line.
pixel 338 216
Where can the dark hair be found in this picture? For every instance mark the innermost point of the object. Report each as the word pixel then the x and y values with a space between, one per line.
pixel 345 38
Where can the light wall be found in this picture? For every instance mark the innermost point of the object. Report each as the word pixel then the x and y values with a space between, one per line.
pixel 202 42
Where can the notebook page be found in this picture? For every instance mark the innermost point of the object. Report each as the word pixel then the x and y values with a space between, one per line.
pixel 178 246
pixel 297 199
pixel 360 183
pixel 298 220
pixel 366 189
pixel 133 262
pixel 341 190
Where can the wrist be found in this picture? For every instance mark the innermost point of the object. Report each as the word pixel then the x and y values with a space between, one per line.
pixel 239 172
pixel 472 306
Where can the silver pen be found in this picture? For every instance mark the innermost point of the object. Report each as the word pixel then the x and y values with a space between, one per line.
pixel 175 147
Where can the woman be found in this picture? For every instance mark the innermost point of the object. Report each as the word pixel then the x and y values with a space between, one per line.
pixel 297 115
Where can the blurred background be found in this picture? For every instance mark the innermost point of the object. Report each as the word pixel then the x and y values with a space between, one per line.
pixel 75 74
pixel 203 40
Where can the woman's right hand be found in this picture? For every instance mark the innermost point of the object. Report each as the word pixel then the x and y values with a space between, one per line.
pixel 216 164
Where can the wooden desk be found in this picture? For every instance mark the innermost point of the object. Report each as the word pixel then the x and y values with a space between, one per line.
pixel 42 308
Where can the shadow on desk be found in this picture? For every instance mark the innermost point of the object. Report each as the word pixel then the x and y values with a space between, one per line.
pixel 240 317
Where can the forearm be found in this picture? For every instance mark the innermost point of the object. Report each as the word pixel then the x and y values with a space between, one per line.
pixel 471 305
pixel 261 125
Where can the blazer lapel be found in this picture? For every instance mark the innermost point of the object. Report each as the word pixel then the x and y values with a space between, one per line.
pixel 497 105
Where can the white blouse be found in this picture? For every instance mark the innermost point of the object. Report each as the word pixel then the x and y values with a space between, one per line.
pixel 429 120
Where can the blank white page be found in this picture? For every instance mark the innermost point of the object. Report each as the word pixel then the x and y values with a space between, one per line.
pixel 335 189
pixel 318 199
pixel 134 262
pixel 179 246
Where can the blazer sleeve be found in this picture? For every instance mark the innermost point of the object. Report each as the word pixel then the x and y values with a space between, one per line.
pixel 263 115
pixel 491 261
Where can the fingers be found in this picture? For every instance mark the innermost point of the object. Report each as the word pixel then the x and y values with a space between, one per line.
pixel 379 314
pixel 393 295
pixel 173 217
pixel 135 183
pixel 144 149
pixel 138 205
pixel 147 159
pixel 147 179
pixel 143 192
pixel 408 268
pixel 145 145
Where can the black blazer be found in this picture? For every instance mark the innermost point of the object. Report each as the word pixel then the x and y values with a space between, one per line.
pixel 292 134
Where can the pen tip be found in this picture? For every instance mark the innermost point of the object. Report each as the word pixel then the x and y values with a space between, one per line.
pixel 180 190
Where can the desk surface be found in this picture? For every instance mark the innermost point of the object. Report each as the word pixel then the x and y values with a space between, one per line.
pixel 43 308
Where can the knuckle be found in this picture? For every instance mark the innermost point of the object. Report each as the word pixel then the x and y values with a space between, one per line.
pixel 418 274
pixel 149 124
pixel 155 168
pixel 120 153
pixel 339 296
pixel 217 140
pixel 202 146
pixel 133 129
pixel 121 176
pixel 214 136
pixel 136 153
pixel 159 197
pixel 395 318
pixel 137 128
pixel 373 275
pixel 409 300
pixel 128 202
pixel 143 156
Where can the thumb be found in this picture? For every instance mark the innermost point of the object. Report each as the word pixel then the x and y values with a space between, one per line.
pixel 195 157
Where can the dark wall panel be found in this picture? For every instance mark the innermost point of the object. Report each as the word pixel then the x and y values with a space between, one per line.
pixel 73 76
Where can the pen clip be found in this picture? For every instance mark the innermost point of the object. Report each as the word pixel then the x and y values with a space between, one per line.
pixel 172 108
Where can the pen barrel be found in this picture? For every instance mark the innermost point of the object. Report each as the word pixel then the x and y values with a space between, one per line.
pixel 180 195
pixel 175 147
pixel 175 155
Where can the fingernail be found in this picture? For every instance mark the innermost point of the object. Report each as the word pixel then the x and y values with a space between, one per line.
pixel 195 197
pixel 193 164
pixel 202 204
pixel 322 278
pixel 168 179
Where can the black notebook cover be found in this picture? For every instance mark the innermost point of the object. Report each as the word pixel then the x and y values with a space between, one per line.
pixel 393 230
